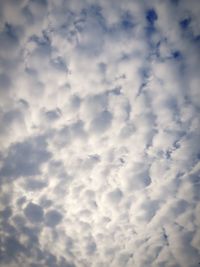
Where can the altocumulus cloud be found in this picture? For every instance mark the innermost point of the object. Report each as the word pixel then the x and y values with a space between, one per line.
pixel 99 161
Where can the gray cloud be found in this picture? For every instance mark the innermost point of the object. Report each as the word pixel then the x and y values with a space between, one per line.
pixel 34 213
pixel 101 122
pixel 53 218
pixel 25 158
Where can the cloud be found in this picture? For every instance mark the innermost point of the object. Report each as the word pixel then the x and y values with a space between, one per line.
pixel 34 213
pixel 25 158
pixel 101 122
pixel 53 218
pixel 99 161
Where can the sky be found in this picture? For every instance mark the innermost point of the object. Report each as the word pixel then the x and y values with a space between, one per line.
pixel 100 133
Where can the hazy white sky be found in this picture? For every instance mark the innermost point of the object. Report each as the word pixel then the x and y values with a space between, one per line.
pixel 100 133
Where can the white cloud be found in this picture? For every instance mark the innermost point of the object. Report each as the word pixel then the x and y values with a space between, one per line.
pixel 99 159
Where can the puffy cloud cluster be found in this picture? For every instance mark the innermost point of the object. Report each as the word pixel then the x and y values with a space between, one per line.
pixel 99 161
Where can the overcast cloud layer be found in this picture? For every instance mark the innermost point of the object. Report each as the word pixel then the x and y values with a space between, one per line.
pixel 100 133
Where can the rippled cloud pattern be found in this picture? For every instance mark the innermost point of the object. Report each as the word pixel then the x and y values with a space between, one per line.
pixel 100 133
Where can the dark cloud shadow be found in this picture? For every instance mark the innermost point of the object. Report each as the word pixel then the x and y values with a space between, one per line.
pixel 53 218
pixel 34 213
pixel 25 158
pixel 101 122
pixel 8 38
pixel 34 184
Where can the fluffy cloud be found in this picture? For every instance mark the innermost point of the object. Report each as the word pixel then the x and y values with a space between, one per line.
pixel 99 161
